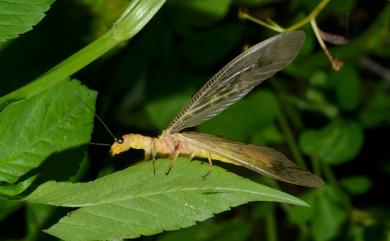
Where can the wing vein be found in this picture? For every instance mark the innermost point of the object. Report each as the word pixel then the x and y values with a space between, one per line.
pixel 238 78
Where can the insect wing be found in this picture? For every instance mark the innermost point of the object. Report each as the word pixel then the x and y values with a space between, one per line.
pixel 263 160
pixel 238 78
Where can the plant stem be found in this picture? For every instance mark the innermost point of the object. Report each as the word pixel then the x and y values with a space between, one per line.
pixel 274 26
pixel 336 64
pixel 292 144
pixel 316 166
pixel 133 19
pixel 313 15
pixel 272 232
pixel 64 69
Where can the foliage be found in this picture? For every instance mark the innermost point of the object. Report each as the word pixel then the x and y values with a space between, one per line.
pixel 136 202
pixel 54 185
pixel 19 17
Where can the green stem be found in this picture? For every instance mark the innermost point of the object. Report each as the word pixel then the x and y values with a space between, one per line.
pixel 133 19
pixel 271 226
pixel 292 144
pixel 309 17
pixel 64 69
pixel 329 176
pixel 316 166
pixel 275 27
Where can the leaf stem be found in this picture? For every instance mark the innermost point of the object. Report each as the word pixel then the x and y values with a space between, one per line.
pixel 133 19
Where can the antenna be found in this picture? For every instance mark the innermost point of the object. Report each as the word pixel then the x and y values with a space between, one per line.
pixel 98 144
pixel 117 140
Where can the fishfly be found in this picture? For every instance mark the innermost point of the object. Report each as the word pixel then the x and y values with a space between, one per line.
pixel 230 84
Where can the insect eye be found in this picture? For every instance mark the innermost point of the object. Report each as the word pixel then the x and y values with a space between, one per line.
pixel 119 140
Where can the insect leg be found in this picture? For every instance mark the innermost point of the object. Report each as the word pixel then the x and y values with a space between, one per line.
pixel 146 155
pixel 193 155
pixel 154 154
pixel 210 167
pixel 174 156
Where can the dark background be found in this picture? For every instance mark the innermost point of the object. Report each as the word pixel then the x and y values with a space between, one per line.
pixel 339 120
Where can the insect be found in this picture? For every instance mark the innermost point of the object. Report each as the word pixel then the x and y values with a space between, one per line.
pixel 230 84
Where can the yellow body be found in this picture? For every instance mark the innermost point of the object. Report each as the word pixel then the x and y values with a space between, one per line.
pixel 165 145
pixel 263 160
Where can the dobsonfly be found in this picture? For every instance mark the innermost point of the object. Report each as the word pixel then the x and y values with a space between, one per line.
pixel 230 84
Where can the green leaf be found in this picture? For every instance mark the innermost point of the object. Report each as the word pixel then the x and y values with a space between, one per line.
pixel 161 111
pixel 341 7
pixel 37 216
pixel 357 233
pixel 217 8
pixel 356 184
pixel 253 3
pixel 338 142
pixel 347 86
pixel 7 207
pixel 297 214
pixel 326 216
pixel 330 214
pixel 376 111
pixel 35 128
pixel 231 230
pixel 255 112
pixel 13 190
pixel 266 135
pixel 199 12
pixel 135 202
pixel 17 17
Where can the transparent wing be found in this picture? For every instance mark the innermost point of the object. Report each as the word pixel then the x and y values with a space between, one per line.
pixel 239 77
pixel 263 160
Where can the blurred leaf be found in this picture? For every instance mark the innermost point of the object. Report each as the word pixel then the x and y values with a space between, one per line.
pixel 49 122
pixel 37 216
pixel 341 8
pixel 231 230
pixel 318 102
pixel 262 210
pixel 208 48
pixel 199 12
pixel 162 111
pixel 254 112
pixel 319 78
pixel 356 184
pixel 347 86
pixel 378 35
pixel 330 214
pixel 299 215
pixel 253 3
pixel 217 8
pixel 266 135
pixel 7 207
pixel 326 215
pixel 17 17
pixel 135 202
pixel 338 142
pixel 376 111
pixel 357 233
